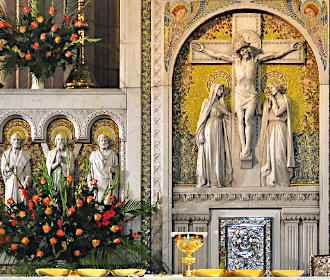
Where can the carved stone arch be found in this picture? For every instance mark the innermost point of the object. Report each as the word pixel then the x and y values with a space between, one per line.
pixel 254 8
pixel 8 116
pixel 51 116
pixel 95 116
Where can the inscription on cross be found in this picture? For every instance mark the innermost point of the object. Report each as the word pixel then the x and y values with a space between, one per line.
pixel 246 52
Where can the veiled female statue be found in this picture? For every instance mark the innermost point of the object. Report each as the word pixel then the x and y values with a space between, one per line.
pixel 214 168
pixel 277 158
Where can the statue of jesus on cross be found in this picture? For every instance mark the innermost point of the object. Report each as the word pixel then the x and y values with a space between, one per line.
pixel 245 59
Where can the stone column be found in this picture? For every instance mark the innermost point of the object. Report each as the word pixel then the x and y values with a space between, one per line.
pixel 200 224
pixel 291 242
pixel 309 242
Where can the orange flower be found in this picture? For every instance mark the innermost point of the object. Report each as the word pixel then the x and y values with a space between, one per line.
pixel 71 211
pixel 54 28
pixel 25 240
pixel 13 246
pixel 10 201
pixel 46 201
pixel 43 180
pixel 2 231
pixel 90 199
pixel 48 211
pixel 58 39
pixel 28 56
pixel 77 253
pixel 39 254
pixel 21 214
pixel 136 235
pixel 69 177
pixel 60 232
pixel 52 11
pixel 117 240
pixel 111 198
pixel 43 37
pixel 48 54
pixel 46 228
pixel 95 242
pixel 79 231
pixel 79 23
pixel 74 37
pixel 1 223
pixel 79 203
pixel 68 54
pixel 114 228
pixel 35 46
pixel 36 198
pixel 22 29
pixel 27 9
pixel 97 217
pixel 53 241
pixel 40 19
pixel 34 24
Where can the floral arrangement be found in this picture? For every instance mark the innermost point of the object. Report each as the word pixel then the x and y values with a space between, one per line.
pixel 36 41
pixel 64 226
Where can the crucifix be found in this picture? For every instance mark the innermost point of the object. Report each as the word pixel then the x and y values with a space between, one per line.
pixel 246 52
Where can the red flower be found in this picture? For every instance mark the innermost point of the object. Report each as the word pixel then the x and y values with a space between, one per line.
pixel 6 24
pixel 52 11
pixel 8 238
pixel 46 201
pixel 27 9
pixel 90 199
pixel 59 223
pixel 22 223
pixel 14 223
pixel 77 253
pixel 93 181
pixel 69 177
pixel 35 46
pixel 34 24
pixel 74 37
pixel 60 232
pixel 79 203
pixel 34 215
pixel 43 181
pixel 10 201
pixel 120 227
pixel 13 246
pixel 117 240
pixel 67 19
pixel 120 204
pixel 71 211
pixel 108 214
pixel 30 204
pixel 111 198
pixel 131 219
pixel 136 235
pixel 28 56
pixel 105 222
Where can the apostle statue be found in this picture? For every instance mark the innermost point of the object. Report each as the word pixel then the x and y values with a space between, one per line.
pixel 214 168
pixel 246 60
pixel 15 170
pixel 103 166
pixel 277 158
pixel 60 160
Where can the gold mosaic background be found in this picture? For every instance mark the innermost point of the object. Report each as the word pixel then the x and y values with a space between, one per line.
pixel 190 89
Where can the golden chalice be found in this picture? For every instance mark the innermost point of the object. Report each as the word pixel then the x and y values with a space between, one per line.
pixel 188 243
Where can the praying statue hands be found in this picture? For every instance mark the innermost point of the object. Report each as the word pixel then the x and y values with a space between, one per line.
pixel 297 46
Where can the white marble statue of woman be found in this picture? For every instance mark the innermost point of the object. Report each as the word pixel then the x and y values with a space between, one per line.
pixel 15 169
pixel 277 158
pixel 214 168
pixel 103 165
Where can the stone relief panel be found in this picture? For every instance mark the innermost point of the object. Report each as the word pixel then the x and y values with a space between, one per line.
pixel 190 88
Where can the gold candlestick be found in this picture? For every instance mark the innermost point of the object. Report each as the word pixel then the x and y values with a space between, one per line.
pixel 189 242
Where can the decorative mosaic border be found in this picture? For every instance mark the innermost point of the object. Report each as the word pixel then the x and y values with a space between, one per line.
pixel 146 115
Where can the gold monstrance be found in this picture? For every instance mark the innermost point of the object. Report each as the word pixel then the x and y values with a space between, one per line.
pixel 189 242
pixel 80 76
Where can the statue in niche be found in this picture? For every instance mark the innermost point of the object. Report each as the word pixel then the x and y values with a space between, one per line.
pixel 246 60
pixel 214 168
pixel 15 169
pixel 277 158
pixel 60 160
pixel 103 165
